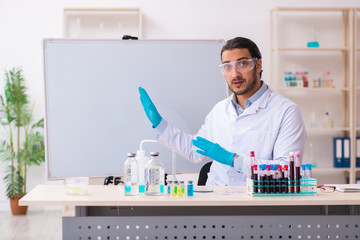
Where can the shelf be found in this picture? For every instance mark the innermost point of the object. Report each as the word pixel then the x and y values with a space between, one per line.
pixel 330 169
pixel 102 23
pixel 328 130
pixel 310 49
pixel 317 90
pixel 285 9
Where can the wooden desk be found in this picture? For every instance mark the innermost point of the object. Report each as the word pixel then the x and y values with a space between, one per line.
pixel 227 213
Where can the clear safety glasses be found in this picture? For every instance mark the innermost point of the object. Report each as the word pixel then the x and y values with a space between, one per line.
pixel 241 66
pixel 327 189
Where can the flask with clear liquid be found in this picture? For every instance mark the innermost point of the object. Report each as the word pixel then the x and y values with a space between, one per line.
pixel 131 175
pixel 154 175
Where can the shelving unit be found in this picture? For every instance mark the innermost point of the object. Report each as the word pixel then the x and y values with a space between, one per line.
pixel 102 23
pixel 290 33
pixel 356 60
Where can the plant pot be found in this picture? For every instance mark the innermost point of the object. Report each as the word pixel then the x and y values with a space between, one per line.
pixel 15 208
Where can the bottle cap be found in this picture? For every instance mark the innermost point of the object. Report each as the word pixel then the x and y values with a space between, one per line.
pixel 252 154
pixel 255 167
pixel 297 154
pixel 286 167
pixel 279 167
pixel 308 166
pixel 190 182
pixel 154 154
pixel 131 154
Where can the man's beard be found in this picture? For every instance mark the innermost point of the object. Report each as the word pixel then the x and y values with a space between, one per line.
pixel 251 85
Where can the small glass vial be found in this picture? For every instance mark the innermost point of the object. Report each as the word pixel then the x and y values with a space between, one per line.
pixel 175 189
pixel 131 175
pixel 154 175
pixel 181 188
pixel 169 187
pixel 190 189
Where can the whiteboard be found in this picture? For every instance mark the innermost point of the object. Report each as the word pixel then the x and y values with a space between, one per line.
pixel 94 116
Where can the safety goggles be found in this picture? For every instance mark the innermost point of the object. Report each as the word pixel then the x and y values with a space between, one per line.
pixel 241 66
pixel 327 189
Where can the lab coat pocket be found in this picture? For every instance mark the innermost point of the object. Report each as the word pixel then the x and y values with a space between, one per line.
pixel 260 142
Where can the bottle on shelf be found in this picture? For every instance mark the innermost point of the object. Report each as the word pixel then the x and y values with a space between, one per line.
pixel 313 43
pixel 154 175
pixel 328 122
pixel 305 79
pixel 312 160
pixel 313 122
pixel 131 175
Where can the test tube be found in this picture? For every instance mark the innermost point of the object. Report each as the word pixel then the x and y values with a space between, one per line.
pixel 255 188
pixel 291 170
pixel 280 178
pixel 308 171
pixel 268 180
pixel 297 176
pixel 252 162
pixel 262 178
pixel 273 178
pixel 297 171
pixel 286 179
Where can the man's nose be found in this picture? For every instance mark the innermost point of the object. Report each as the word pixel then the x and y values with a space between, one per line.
pixel 235 73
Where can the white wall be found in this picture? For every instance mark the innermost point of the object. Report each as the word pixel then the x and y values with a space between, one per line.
pixel 23 25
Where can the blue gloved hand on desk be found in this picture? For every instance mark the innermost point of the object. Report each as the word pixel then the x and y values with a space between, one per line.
pixel 214 151
pixel 149 107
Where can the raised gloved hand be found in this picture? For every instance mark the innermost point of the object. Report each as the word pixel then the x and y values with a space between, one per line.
pixel 149 108
pixel 214 151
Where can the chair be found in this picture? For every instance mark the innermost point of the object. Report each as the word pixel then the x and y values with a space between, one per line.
pixel 203 174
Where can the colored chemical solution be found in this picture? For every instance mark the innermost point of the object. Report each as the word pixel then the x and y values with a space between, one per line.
pixel 175 189
pixel 190 189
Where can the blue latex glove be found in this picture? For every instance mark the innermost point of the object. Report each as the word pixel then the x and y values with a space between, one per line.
pixel 149 108
pixel 214 151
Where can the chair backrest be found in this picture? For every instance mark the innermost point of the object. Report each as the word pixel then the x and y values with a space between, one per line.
pixel 203 174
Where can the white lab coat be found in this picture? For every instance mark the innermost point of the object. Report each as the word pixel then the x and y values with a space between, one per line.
pixel 272 127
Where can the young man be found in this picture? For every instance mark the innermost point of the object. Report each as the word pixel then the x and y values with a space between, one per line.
pixel 253 118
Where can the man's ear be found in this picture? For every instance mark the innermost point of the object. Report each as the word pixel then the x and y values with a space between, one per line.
pixel 259 66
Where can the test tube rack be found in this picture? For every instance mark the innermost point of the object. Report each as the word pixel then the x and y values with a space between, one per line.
pixel 323 83
pixel 307 187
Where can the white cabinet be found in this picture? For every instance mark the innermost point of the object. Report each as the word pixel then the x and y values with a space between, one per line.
pixel 293 30
pixel 102 23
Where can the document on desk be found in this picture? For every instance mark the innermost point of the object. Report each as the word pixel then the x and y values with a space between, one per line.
pixel 345 187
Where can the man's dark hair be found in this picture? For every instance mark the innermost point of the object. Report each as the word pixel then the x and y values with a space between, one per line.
pixel 241 42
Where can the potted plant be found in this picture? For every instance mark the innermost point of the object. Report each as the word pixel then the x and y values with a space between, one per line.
pixel 24 142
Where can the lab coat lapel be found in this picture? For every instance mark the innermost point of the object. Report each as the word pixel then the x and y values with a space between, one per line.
pixel 258 104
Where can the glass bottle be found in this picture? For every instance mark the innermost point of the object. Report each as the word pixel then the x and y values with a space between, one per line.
pixel 190 189
pixel 131 175
pixel 182 188
pixel 154 175
pixel 169 187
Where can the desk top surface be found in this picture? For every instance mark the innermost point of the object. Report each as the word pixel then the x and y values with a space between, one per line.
pixel 100 195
